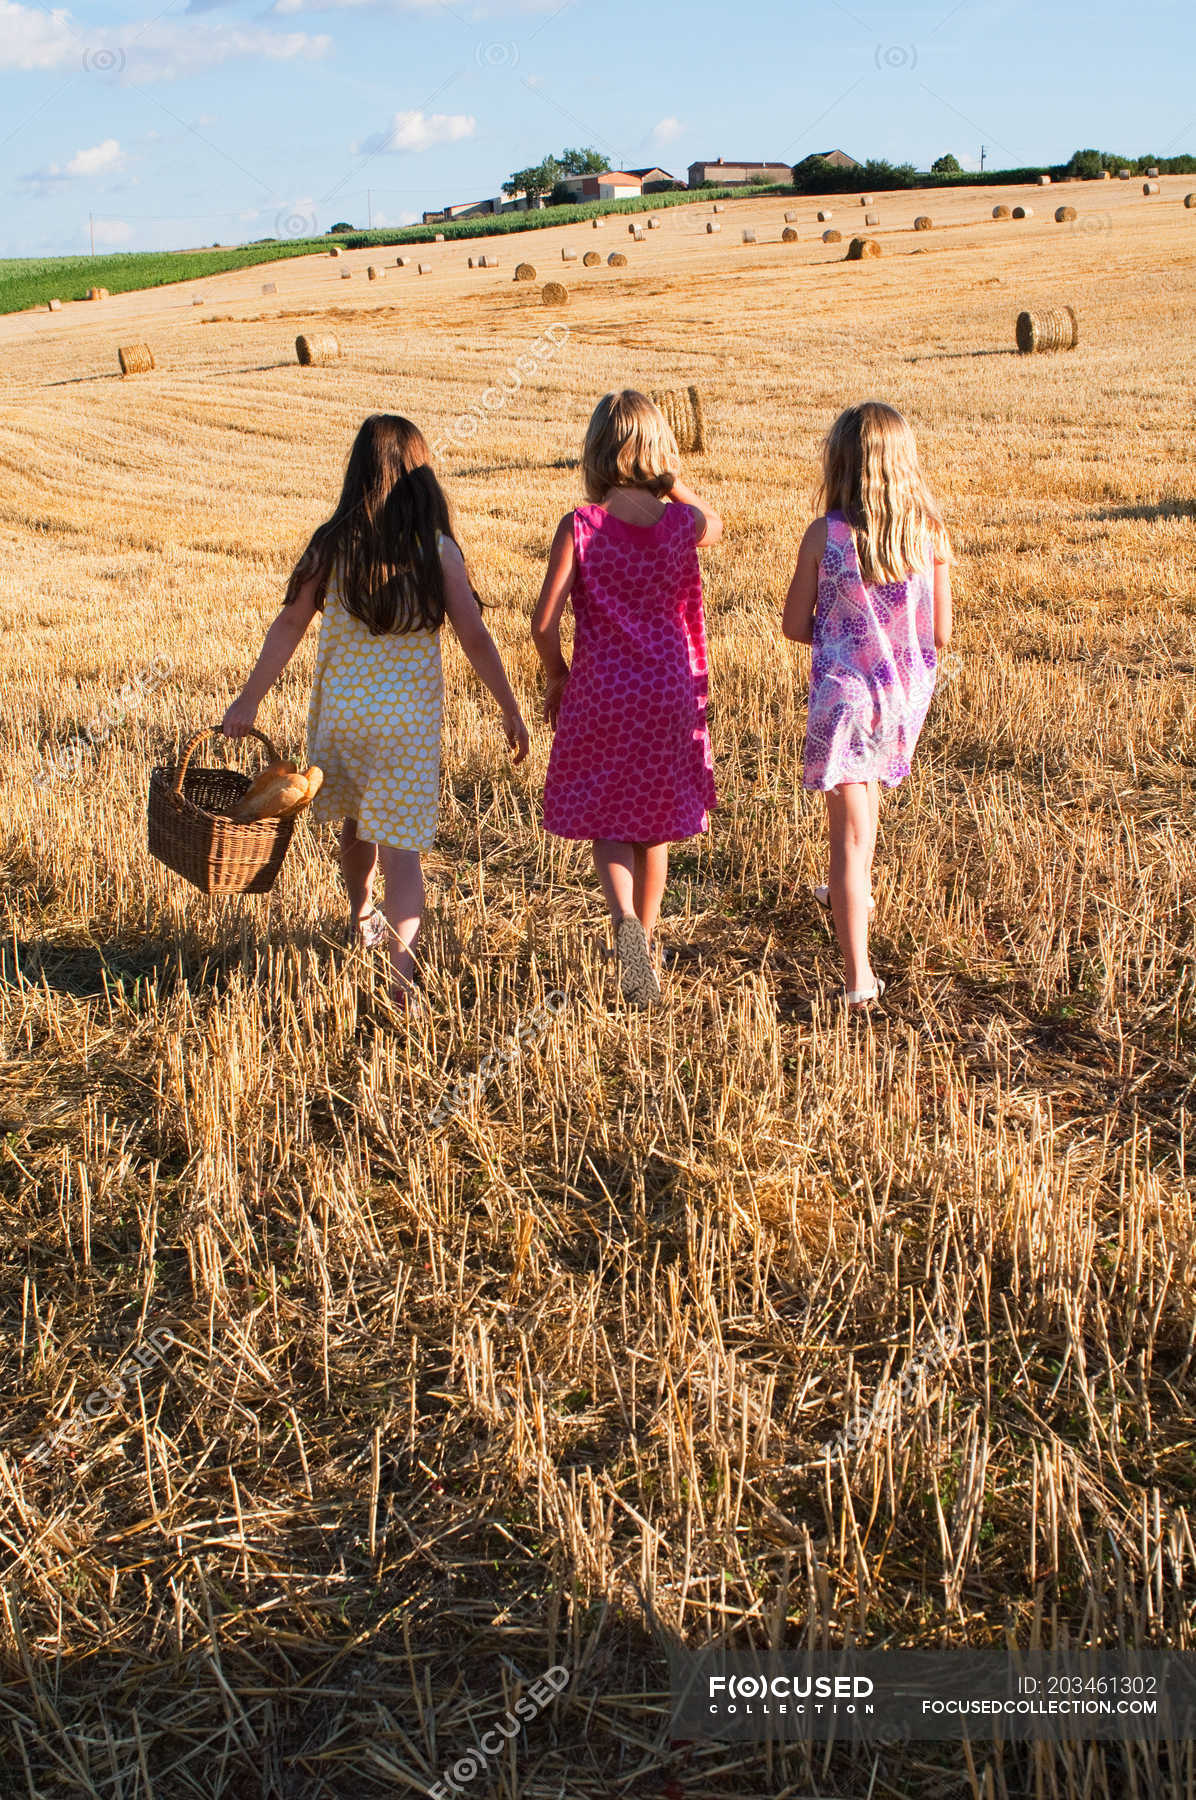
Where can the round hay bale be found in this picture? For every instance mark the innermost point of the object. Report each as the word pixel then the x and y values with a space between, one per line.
pixel 825 217
pixel 591 259
pixel 832 237
pixel 97 293
pixel 1001 212
pixel 471 263
pixel 718 207
pixel 788 236
pixel 654 224
pixel 54 306
pixel 525 272
pixel 401 262
pixel 713 225
pixel 1190 201
pixel 616 260
pixel 312 351
pixel 1044 181
pixel 439 238
pixel 595 223
pixel 568 253
pixel 135 359
pixel 791 218
pixel 487 262
pixel 553 294
pixel 1065 215
pixel 1054 328
pixel 346 274
pixel 1152 173
pixel 372 274
pixel 860 248
pixel 423 268
pixel 867 199
pixel 923 222
pixel 1023 212
pixel 872 218
pixel 336 250
pixel 637 232
pixel 1105 175
pixel 199 302
pixel 1150 187
pixel 269 287
pixel 686 418
pixel 749 237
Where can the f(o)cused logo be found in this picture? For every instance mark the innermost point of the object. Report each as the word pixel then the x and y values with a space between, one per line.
pixel 295 224
pixel 896 56
pixel 104 62
pixel 496 55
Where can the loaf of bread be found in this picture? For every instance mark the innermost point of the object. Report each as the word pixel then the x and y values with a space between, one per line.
pixel 278 791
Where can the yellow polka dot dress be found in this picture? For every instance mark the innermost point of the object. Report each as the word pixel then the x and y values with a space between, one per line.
pixel 374 728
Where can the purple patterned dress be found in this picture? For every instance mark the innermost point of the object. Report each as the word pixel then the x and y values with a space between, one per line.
pixel 873 669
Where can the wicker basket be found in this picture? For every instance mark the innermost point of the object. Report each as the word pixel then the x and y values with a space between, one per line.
pixel 190 830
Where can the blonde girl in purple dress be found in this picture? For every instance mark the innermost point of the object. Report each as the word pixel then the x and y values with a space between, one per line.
pixel 872 594
pixel 630 768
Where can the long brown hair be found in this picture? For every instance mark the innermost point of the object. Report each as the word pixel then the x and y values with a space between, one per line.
pixel 382 537
pixel 871 474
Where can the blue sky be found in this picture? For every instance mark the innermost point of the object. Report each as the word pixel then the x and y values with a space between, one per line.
pixel 208 122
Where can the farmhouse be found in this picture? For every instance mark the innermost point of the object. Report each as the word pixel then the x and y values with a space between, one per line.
pixel 655 181
pixel 838 159
pixel 738 174
pixel 612 184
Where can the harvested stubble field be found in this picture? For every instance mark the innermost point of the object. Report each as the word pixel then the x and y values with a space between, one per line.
pixel 555 1384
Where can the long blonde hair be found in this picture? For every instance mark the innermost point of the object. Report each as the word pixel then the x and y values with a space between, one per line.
pixel 871 474
pixel 628 444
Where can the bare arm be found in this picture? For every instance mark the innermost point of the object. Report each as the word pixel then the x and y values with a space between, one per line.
pixel 481 652
pixel 710 526
pixel 280 644
pixel 546 620
pixel 942 605
pixel 797 621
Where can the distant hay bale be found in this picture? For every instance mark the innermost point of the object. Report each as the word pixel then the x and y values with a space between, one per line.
pixel 749 237
pixel 832 237
pixel 97 293
pixel 1044 181
pixel 554 294
pixel 824 217
pixel 1001 212
pixel 1065 215
pixel 439 238
pixel 1054 328
pixel 346 274
pixel 1105 175
pixel 401 262
pixel 867 199
pixel 1023 212
pixel 568 253
pixel 595 223
pixel 471 262
pixel 653 223
pixel 525 272
pixel 1152 173
pixel 718 207
pixel 1190 201
pixel 791 218
pixel 685 415
pixel 1124 174
pixel 54 306
pixel 923 222
pixel 1150 187
pixel 373 274
pixel 336 250
pixel 315 351
pixel 616 260
pixel 788 236
pixel 872 218
pixel 199 302
pixel 860 248
pixel 423 268
pixel 713 225
pixel 591 259
pixel 135 359
pixel 269 287
pixel 637 232
pixel 487 262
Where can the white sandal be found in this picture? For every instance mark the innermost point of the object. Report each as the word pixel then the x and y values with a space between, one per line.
pixel 823 896
pixel 862 997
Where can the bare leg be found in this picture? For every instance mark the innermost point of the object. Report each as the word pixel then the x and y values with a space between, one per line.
pixel 359 860
pixel 874 815
pixel 403 907
pixel 616 865
pixel 651 874
pixel 850 819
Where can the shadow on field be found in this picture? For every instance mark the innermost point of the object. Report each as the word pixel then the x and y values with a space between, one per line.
pixel 78 380
pixel 1151 510
pixel 962 355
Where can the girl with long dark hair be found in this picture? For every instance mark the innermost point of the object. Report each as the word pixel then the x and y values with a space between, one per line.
pixel 385 570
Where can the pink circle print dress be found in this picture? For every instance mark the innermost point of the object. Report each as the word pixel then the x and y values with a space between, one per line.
pixel 873 668
pixel 631 756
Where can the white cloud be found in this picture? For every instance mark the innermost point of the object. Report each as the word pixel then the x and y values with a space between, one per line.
pixel 91 162
pixel 112 231
pixel 33 39
pixel 418 130
pixel 667 131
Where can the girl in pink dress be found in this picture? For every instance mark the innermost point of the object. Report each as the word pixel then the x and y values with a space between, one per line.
pixel 630 767
pixel 872 594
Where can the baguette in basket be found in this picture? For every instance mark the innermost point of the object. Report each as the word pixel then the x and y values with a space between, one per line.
pixel 279 791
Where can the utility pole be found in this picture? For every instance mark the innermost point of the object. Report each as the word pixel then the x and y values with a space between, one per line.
pixel 91 231
pixel 983 154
